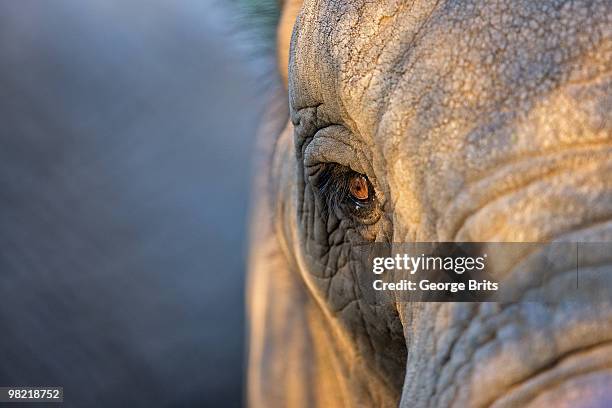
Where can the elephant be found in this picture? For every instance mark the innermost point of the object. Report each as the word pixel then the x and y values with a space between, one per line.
pixel 429 121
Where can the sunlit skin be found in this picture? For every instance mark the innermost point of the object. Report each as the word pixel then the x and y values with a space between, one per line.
pixel 454 122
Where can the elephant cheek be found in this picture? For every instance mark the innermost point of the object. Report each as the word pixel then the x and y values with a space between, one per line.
pixel 592 390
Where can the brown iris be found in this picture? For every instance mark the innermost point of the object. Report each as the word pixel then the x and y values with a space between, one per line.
pixel 358 187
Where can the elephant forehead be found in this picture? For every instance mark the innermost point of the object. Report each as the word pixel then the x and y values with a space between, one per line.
pixel 418 65
pixel 448 90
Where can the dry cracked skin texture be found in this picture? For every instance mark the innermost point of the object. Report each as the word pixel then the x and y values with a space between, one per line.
pixel 473 122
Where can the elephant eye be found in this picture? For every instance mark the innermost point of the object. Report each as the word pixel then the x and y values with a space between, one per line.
pixel 345 190
pixel 358 187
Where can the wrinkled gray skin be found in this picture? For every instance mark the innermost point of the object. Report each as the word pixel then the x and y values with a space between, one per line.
pixel 474 122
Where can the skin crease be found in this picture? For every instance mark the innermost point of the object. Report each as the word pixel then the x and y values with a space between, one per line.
pixel 473 122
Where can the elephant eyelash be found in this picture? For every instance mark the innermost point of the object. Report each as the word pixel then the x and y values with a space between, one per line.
pixel 333 183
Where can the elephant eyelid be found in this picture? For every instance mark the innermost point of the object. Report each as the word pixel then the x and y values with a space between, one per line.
pixel 334 145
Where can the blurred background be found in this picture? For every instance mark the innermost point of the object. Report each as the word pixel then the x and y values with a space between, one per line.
pixel 125 160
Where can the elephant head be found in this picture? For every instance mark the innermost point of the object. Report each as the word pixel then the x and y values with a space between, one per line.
pixel 431 121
